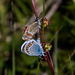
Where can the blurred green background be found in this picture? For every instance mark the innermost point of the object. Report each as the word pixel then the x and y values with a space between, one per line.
pixel 14 15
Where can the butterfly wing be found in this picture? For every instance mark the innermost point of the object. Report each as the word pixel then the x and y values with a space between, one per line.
pixel 35 50
pixel 23 47
pixel 30 31
pixel 32 48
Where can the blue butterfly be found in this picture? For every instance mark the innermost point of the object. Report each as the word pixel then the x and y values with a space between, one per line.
pixel 32 48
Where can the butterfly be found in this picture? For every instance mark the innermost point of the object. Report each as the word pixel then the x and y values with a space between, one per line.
pixel 32 48
pixel 32 29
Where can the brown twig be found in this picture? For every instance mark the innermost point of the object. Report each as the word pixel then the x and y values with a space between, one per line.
pixel 67 62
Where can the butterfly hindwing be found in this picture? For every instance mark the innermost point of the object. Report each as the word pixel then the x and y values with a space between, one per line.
pixel 32 48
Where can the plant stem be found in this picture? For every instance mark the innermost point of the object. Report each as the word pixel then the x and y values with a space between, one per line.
pixel 55 54
pixel 34 8
pixel 43 16
pixel 71 67
pixel 13 43
pixel 13 56
pixel 38 68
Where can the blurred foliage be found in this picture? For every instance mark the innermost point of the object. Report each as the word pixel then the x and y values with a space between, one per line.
pixel 22 11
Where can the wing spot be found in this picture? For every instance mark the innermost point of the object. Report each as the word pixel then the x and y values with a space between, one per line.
pixel 29 46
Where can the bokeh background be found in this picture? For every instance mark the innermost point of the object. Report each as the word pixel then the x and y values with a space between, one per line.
pixel 14 15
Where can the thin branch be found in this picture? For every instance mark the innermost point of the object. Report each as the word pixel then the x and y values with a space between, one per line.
pixel 34 8
pixel 43 16
pixel 13 41
pixel 67 62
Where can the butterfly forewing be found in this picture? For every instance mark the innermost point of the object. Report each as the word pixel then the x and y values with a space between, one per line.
pixel 30 31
